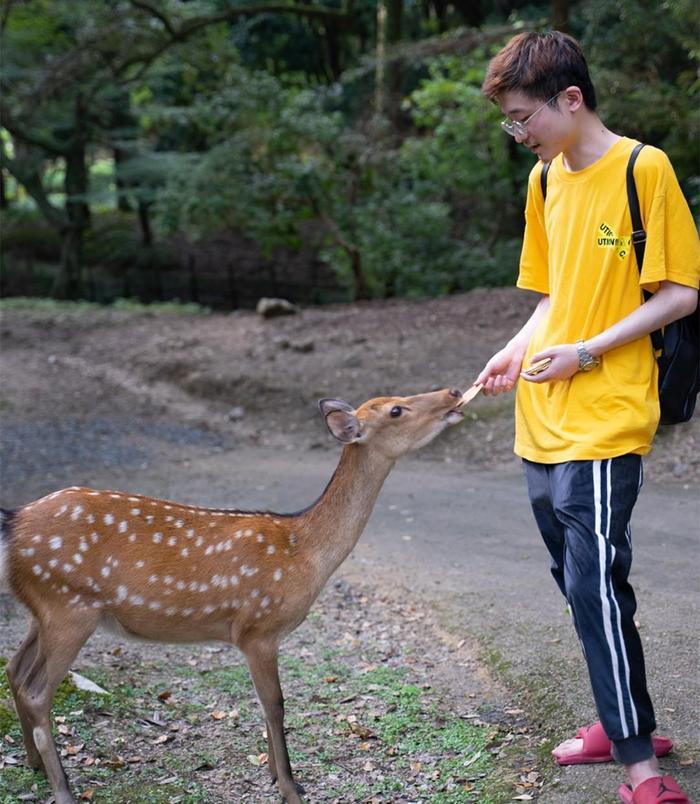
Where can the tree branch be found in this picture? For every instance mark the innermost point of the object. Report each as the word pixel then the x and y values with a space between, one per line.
pixel 30 179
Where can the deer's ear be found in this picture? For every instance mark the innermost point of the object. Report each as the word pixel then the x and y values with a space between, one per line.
pixel 340 420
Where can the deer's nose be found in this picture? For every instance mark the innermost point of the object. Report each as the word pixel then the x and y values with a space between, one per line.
pixel 457 394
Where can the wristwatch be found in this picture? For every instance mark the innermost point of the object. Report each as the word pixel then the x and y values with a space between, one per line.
pixel 586 361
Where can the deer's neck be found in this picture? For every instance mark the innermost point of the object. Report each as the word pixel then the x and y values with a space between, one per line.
pixel 333 525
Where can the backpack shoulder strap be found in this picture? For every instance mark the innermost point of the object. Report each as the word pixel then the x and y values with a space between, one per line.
pixel 639 236
pixel 543 178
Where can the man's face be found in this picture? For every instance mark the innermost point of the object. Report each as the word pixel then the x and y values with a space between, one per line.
pixel 547 125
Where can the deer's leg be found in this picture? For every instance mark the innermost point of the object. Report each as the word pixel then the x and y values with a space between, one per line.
pixel 17 669
pixel 262 662
pixel 57 647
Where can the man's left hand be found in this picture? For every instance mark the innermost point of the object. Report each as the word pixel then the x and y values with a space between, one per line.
pixel 563 366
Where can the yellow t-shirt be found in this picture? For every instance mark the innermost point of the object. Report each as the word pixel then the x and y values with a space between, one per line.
pixel 577 249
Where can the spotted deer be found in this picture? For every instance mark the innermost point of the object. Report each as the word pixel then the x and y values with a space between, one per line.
pixel 165 571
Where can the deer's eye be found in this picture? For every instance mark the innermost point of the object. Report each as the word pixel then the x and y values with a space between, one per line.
pixel 395 412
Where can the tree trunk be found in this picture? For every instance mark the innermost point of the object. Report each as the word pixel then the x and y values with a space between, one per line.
pixel 123 204
pixel 69 282
pixel 145 223
pixel 560 15
pixel 388 74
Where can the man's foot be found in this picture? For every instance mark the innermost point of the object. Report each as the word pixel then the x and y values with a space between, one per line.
pixel 655 790
pixel 591 745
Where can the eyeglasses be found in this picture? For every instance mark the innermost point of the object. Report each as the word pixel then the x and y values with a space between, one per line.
pixel 519 127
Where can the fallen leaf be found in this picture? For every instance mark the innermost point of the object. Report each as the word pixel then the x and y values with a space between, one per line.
pixel 218 715
pixel 257 759
pixel 165 695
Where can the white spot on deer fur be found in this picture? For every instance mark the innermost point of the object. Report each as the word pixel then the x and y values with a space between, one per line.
pixel 157 538
pixel 62 510
pixel 136 600
pixel 153 579
pixel 105 571
pixel 170 611
pixel 168 507
pixel 260 538
pixel 271 549
pixel 293 539
pixel 122 593
pixel 150 519
pixel 27 551
pixel 234 580
pixel 77 559
pixel 64 590
pixel 55 542
pixel 209 550
pixel 83 545
pixel 37 539
pixel 68 568
pixel 254 593
pixel 135 511
pixel 154 605
pixel 76 512
pixel 132 499
pixel 277 574
pixel 238 534
pixel 172 541
pixel 140 564
pixel 199 542
pixel 53 563
pixel 190 533
pixel 209 609
pixel 74 600
pixel 108 519
pixel 132 537
pixel 265 602
pixel 168 579
pixel 37 570
pixel 187 612
pixel 179 523
pixel 184 552
pixel 123 526
pixel 90 518
pixel 94 538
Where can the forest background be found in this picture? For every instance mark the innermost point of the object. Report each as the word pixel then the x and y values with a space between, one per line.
pixel 217 151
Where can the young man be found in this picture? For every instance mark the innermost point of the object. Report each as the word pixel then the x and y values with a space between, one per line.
pixel 583 423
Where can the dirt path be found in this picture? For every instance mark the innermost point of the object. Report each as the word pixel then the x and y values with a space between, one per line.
pixel 215 410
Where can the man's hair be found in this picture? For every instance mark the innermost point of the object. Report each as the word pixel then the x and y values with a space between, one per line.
pixel 539 65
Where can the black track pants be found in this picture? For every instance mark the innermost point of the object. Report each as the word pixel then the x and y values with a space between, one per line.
pixel 583 511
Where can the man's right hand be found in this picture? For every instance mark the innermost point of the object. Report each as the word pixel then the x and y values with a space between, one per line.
pixel 502 371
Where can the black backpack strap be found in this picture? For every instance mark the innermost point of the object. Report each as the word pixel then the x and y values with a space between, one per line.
pixel 543 178
pixel 639 236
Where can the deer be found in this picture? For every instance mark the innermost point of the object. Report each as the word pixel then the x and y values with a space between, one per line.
pixel 158 570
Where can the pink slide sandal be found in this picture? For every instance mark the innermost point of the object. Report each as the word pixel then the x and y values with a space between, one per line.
pixel 597 747
pixel 654 791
